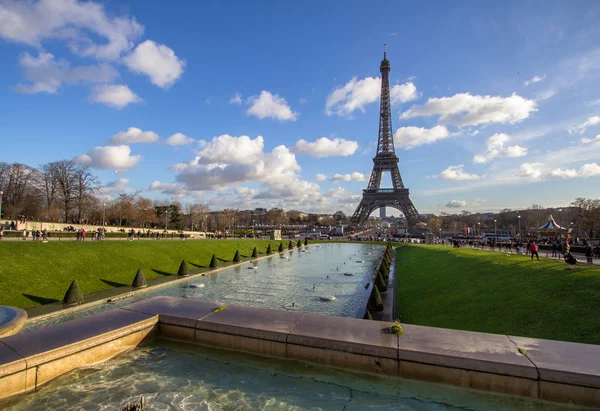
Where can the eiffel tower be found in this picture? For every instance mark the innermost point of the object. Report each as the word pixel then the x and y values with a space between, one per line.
pixel 385 160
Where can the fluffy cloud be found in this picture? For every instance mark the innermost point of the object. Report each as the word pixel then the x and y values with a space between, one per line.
pixel 47 74
pixel 230 149
pixel 456 204
pixel 269 105
pixel 355 176
pixel 324 147
pixel 172 189
pixel 495 148
pixel 157 61
pixel 236 99
pixel 468 110
pixel 590 122
pixel 595 140
pixel 532 171
pixel 131 136
pixel 403 93
pixel 321 177
pixel 457 173
pixel 586 170
pixel 113 187
pixel 409 137
pixel 179 139
pixel 356 94
pixel 534 79
pixel 77 23
pixel 117 158
pixel 116 96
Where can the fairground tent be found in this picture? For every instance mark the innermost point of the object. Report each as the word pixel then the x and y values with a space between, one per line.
pixel 550 225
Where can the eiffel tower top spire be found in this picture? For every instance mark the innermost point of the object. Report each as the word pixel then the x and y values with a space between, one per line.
pixel 385 140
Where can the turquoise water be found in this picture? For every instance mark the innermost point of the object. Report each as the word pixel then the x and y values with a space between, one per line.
pixel 295 282
pixel 174 376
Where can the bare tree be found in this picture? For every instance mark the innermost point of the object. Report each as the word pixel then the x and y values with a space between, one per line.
pixel 66 183
pixel 86 184
pixel 198 215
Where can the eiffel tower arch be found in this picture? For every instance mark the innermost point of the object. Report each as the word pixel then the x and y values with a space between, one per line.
pixel 386 159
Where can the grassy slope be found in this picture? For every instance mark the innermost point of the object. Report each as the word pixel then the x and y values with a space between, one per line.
pixel 491 292
pixel 45 270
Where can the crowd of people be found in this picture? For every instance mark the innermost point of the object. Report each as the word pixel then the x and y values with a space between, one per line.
pixel 560 247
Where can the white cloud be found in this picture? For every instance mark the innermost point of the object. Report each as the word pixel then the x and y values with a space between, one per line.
pixel 403 93
pixel 495 148
pixel 590 122
pixel 469 110
pixel 118 158
pixel 534 79
pixel 354 95
pixel 478 202
pixel 324 147
pixel 113 187
pixel 409 137
pixel 77 23
pixel 131 136
pixel 47 74
pixel 269 105
pixel 116 95
pixel 586 170
pixel 236 99
pixel 456 204
pixel 171 189
pixel 355 176
pixel 230 149
pixel 179 139
pixel 595 140
pixel 321 177
pixel 532 171
pixel 157 61
pixel 246 193
pixel 457 173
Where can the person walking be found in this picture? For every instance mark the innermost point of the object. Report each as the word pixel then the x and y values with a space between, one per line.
pixel 24 234
pixel 588 253
pixel 533 248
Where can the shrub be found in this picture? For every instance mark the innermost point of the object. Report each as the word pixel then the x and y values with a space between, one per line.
pixel 219 308
pixel 368 315
pixel 280 247
pixel 299 244
pixel 214 262
pixel 73 294
pixel 375 303
pixel 290 245
pixel 254 253
pixel 381 284
pixel 397 328
pixel 236 257
pixel 183 270
pixel 306 241
pixel 269 250
pixel 140 280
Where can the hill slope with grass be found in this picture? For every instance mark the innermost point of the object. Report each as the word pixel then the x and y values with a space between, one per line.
pixel 497 293
pixel 33 273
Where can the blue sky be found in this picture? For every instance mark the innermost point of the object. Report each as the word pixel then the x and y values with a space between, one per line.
pixel 276 103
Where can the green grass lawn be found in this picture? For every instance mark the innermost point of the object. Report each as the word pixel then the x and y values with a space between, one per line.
pixel 32 273
pixel 497 293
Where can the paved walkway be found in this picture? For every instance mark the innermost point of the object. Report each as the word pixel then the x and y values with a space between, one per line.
pixel 581 258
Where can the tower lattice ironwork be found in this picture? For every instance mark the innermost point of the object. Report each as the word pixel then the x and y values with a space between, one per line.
pixel 386 159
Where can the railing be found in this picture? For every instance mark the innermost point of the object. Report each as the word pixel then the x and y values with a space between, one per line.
pixel 381 190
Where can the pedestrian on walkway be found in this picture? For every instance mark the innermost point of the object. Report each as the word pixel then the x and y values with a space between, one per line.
pixel 534 250
pixel 24 234
pixel 588 253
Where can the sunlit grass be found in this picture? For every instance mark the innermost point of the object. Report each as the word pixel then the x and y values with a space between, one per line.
pixel 497 293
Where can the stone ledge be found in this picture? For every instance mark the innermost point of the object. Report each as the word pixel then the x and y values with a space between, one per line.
pixel 174 311
pixel 253 322
pixel 346 334
pixel 10 361
pixel 563 362
pixel 46 344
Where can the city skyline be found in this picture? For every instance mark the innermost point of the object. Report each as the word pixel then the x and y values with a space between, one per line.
pixel 492 108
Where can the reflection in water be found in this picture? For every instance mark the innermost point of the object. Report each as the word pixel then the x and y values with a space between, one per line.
pixel 300 278
pixel 185 377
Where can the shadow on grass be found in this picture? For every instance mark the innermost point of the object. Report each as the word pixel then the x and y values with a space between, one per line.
pixel 113 283
pixel 40 300
pixel 223 260
pixel 244 256
pixel 162 272
pixel 197 265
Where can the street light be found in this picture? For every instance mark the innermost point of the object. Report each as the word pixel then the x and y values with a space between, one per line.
pixel 479 228
pixel 519 218
pixel 559 217
pixel 166 219
pixel 495 232
pixel 103 214
pixel 233 227
pixel 253 229
pixel 1 193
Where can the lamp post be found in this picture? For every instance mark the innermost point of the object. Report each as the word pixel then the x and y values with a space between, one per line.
pixel 559 218
pixel 519 219
pixel 253 229
pixel 572 232
pixel 495 231
pixel 166 220
pixel 479 228
pixel 1 193
pixel 103 214
pixel 233 228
